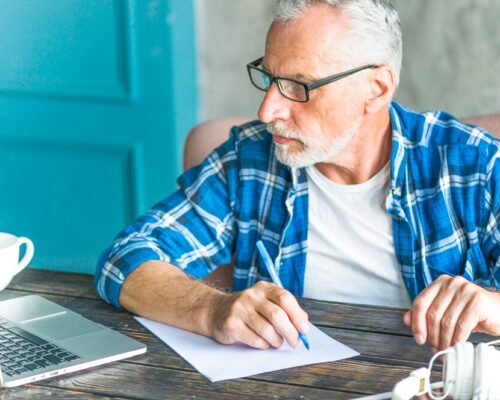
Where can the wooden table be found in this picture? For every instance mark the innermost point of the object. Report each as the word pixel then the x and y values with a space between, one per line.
pixel 388 353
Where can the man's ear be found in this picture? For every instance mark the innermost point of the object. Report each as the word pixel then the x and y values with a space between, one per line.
pixel 382 83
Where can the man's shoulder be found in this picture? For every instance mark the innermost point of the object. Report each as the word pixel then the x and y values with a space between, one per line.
pixel 251 132
pixel 253 145
pixel 437 128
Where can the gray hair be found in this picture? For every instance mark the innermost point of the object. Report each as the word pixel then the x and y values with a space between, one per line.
pixel 373 26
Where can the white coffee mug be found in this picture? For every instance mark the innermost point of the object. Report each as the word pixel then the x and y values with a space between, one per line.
pixel 10 265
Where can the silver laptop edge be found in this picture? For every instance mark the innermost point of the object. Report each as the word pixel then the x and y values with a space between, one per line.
pixel 93 343
pixel 50 373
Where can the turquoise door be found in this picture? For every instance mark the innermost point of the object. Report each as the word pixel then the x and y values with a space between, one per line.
pixel 95 99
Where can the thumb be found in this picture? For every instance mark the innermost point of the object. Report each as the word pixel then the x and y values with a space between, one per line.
pixel 407 318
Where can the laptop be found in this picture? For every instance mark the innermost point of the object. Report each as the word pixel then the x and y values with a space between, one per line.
pixel 40 339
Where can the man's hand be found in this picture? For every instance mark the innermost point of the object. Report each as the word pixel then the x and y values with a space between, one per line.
pixel 261 317
pixel 450 309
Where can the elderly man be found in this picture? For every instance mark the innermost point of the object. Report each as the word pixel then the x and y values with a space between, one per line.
pixel 391 207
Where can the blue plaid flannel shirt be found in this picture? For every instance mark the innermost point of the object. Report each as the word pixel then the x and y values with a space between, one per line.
pixel 444 201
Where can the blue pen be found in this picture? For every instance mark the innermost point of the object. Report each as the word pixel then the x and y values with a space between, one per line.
pixel 276 279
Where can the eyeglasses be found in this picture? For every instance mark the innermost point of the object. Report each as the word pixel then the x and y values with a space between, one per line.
pixel 290 88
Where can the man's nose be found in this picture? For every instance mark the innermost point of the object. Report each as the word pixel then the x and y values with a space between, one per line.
pixel 274 106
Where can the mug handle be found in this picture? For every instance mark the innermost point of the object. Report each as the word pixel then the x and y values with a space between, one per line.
pixel 30 250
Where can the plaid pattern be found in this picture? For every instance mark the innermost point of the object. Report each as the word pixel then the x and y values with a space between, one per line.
pixel 444 201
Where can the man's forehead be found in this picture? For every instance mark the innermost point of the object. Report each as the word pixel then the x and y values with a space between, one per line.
pixel 305 66
pixel 297 47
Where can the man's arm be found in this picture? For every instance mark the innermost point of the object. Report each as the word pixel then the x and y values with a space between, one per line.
pixel 261 316
pixel 190 232
pixel 160 291
pixel 451 308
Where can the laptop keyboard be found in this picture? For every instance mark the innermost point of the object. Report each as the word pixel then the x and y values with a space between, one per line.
pixel 21 351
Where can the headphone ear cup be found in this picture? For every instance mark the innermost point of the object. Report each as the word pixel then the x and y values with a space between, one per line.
pixel 480 370
pixel 458 371
pixel 486 363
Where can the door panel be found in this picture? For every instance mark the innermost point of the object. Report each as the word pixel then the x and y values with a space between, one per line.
pixel 95 99
pixel 68 48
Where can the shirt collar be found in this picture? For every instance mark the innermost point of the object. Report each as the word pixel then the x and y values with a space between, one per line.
pixel 398 161
pixel 398 153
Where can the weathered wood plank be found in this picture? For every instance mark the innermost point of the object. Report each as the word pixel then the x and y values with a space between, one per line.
pixel 40 281
pixel 388 353
pixel 385 345
pixel 143 382
pixel 34 392
pixel 322 313
pixel 365 318
pixel 358 374
pixel 376 344
pixel 374 348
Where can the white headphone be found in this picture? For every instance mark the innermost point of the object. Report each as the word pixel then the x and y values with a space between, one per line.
pixel 468 374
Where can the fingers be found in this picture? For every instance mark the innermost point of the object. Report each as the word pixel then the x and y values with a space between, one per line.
pixel 234 330
pixel 294 313
pixel 251 338
pixel 261 317
pixel 284 313
pixel 460 318
pixel 446 312
pixel 407 318
pixel 266 326
pixel 465 323
pixel 419 312
pixel 462 313
pixel 437 323
pixel 279 320
pixel 447 325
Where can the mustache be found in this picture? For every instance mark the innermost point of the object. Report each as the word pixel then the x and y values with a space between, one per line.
pixel 278 128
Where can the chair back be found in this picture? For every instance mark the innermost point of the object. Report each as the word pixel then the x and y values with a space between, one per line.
pixel 489 122
pixel 205 137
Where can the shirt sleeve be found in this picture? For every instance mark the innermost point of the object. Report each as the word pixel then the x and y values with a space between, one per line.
pixel 193 229
pixel 491 238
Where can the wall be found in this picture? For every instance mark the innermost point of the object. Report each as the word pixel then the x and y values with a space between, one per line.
pixel 451 55
pixel 95 97
pixel 230 34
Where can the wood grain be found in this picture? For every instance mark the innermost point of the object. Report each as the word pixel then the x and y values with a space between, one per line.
pixel 388 353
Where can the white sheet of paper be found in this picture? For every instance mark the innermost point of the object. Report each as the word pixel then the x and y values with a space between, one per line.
pixel 219 362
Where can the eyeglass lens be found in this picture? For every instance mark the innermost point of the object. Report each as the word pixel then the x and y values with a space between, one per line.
pixel 287 88
pixel 292 90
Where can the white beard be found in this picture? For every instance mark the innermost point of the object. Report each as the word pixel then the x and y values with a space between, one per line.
pixel 315 150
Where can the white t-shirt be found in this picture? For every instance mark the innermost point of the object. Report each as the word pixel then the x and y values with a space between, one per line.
pixel 350 256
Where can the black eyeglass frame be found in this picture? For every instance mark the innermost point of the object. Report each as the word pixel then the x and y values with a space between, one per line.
pixel 307 86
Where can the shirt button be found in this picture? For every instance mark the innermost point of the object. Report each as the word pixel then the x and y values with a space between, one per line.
pixel 397 191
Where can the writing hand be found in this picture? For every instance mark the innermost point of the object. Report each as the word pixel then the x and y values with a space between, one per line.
pixel 260 316
pixel 450 309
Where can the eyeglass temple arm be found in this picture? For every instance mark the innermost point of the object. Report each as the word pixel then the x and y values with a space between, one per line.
pixel 331 79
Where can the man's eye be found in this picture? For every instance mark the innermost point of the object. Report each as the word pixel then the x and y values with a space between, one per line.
pixel 293 88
